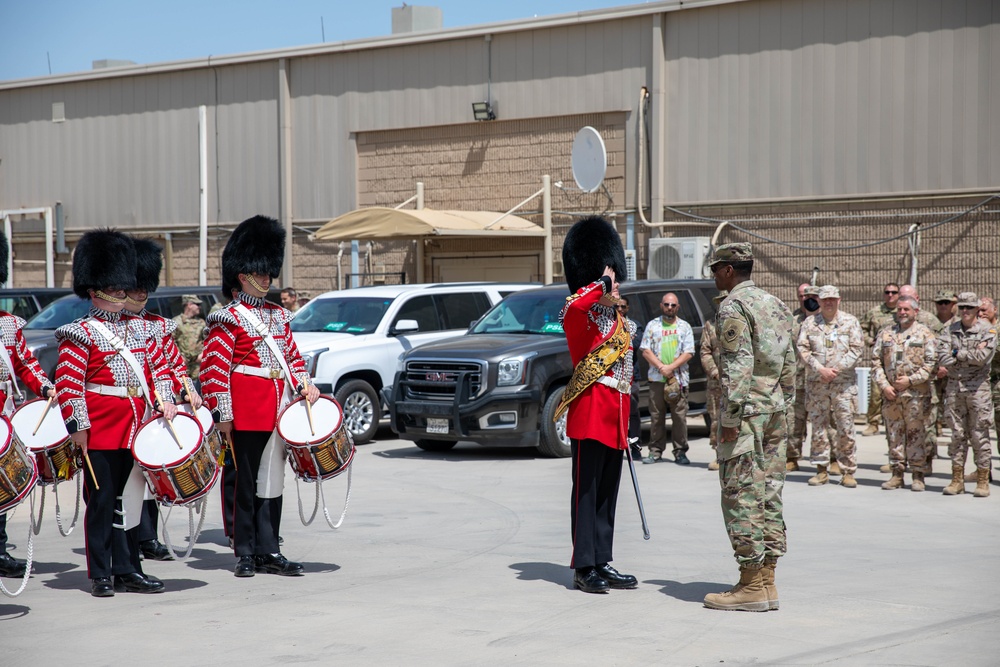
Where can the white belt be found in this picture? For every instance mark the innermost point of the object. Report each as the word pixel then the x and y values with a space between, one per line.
pixel 623 386
pixel 6 387
pixel 269 373
pixel 109 390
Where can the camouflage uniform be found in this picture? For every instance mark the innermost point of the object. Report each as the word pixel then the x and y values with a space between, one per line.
pixel 967 354
pixel 189 336
pixel 709 353
pixel 995 384
pixel 838 344
pixel 797 428
pixel 906 354
pixel 872 322
pixel 938 386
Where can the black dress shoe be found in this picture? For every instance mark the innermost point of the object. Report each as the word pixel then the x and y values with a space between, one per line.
pixel 155 550
pixel 11 567
pixel 682 459
pixel 277 564
pixel 615 578
pixel 589 581
pixel 101 588
pixel 137 583
pixel 245 567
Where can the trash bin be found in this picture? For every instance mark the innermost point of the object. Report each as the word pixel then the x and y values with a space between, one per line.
pixel 863 376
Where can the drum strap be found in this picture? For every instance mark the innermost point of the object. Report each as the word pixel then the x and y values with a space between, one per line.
pixel 5 358
pixel 262 331
pixel 119 346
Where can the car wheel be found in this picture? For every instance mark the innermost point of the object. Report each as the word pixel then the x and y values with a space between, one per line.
pixel 434 445
pixel 361 409
pixel 553 441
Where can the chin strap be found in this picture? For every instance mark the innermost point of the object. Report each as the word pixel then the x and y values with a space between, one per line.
pixel 254 283
pixel 107 297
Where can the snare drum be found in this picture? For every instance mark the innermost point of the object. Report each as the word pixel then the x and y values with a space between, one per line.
pixel 322 455
pixel 18 473
pixel 175 475
pixel 204 417
pixel 58 458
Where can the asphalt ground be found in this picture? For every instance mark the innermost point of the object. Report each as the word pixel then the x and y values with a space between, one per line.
pixel 461 559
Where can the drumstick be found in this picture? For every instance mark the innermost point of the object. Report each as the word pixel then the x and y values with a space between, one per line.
pixel 232 452
pixel 42 418
pixel 86 457
pixel 309 409
pixel 170 424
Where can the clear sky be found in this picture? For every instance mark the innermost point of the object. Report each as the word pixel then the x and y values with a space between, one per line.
pixel 40 37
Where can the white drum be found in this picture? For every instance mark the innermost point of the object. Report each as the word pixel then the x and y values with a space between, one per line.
pixel 176 475
pixel 322 452
pixel 58 458
pixel 204 417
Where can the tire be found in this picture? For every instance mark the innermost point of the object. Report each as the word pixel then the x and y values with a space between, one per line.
pixel 362 410
pixel 434 445
pixel 552 440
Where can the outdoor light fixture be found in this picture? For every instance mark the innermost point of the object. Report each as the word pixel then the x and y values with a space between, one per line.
pixel 483 111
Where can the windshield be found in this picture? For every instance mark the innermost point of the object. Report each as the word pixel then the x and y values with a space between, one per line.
pixel 59 312
pixel 524 312
pixel 352 315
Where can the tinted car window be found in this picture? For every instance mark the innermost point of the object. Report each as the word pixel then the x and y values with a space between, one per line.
pixel 709 293
pixel 651 302
pixel 60 312
pixel 422 310
pixel 353 315
pixel 524 312
pixel 22 306
pixel 459 310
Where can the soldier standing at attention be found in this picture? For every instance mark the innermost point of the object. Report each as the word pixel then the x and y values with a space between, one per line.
pixel 830 345
pixel 757 372
pixel 709 353
pixel 872 322
pixel 988 313
pixel 797 434
pixel 966 350
pixel 903 359
pixel 190 334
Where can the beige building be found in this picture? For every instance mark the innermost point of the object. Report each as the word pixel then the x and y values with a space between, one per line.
pixel 819 129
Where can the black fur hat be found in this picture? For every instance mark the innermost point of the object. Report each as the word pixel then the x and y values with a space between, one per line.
pixel 4 255
pixel 103 258
pixel 592 244
pixel 256 246
pixel 149 263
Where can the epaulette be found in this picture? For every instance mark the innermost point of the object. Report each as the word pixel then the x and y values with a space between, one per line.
pixel 10 323
pixel 19 322
pixel 221 316
pixel 74 331
pixel 284 317
pixel 165 326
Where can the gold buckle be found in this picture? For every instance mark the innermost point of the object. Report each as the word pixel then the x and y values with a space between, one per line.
pixel 274 374
pixel 133 392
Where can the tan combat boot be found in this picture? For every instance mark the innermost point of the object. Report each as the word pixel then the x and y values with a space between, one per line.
pixel 792 465
pixel 972 475
pixel 848 481
pixel 835 468
pixel 885 468
pixel 820 478
pixel 872 429
pixel 713 465
pixel 918 482
pixel 896 482
pixel 957 485
pixel 767 574
pixel 748 595
pixel 982 483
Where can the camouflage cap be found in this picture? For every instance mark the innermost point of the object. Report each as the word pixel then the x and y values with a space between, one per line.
pixel 829 292
pixel 732 252
pixel 811 290
pixel 190 298
pixel 945 296
pixel 968 299
pixel 720 297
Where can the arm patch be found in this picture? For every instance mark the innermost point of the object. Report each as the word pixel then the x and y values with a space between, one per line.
pixel 730 332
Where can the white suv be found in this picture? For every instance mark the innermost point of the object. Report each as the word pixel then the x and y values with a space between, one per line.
pixel 351 340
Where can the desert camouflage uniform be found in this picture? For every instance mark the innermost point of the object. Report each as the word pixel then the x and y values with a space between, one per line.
pixel 872 322
pixel 798 421
pixel 967 354
pixel 838 344
pixel 906 354
pixel 938 385
pixel 709 353
pixel 189 336
pixel 757 374
pixel 995 383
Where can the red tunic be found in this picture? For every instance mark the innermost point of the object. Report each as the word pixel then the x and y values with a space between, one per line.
pixel 85 356
pixel 250 402
pixel 600 412
pixel 25 365
pixel 171 354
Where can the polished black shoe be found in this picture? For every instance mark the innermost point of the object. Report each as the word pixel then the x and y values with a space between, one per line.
pixel 281 540
pixel 589 581
pixel 101 587
pixel 245 567
pixel 137 583
pixel 277 564
pixel 615 578
pixel 11 567
pixel 682 459
pixel 155 550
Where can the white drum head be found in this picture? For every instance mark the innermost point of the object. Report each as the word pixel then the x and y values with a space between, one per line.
pixel 155 445
pixel 51 432
pixel 5 433
pixel 203 415
pixel 293 427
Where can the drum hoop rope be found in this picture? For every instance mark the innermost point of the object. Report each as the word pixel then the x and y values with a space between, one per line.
pixel 193 534
pixel 76 511
pixel 30 558
pixel 319 493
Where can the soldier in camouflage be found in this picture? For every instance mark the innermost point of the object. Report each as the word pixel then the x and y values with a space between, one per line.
pixel 945 309
pixel 190 333
pixel 966 349
pixel 988 313
pixel 903 359
pixel 872 322
pixel 830 344
pixel 808 298
pixel 709 354
pixel 757 375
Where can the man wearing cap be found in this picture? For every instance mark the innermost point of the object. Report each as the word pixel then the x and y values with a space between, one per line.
pixel 966 350
pixel 190 334
pixel 808 306
pixel 872 322
pixel 830 344
pixel 988 313
pixel 709 354
pixel 757 374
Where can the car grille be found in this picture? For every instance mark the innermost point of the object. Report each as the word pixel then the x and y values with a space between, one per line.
pixel 438 380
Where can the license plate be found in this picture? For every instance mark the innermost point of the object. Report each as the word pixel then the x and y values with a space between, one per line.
pixel 437 425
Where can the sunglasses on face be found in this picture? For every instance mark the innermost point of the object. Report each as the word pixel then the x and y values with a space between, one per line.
pixel 968 307
pixel 621 307
pixel 668 305
pixel 891 291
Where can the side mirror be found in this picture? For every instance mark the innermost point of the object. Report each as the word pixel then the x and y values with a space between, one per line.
pixel 405 326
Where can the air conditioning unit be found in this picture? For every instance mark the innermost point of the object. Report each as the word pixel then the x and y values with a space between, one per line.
pixel 630 263
pixel 678 258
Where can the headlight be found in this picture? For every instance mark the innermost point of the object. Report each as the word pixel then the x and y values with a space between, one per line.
pixel 311 359
pixel 400 363
pixel 510 372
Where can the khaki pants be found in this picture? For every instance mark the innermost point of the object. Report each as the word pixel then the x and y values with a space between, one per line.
pixel 658 406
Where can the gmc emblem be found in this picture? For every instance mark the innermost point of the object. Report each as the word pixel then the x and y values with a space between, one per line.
pixel 439 377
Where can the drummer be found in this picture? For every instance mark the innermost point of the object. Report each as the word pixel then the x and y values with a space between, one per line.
pixel 20 362
pixel 149 263
pixel 244 383
pixel 104 400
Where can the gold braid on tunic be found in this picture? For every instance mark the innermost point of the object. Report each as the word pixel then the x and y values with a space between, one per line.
pixel 595 365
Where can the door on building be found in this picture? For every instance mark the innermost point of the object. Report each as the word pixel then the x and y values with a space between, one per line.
pixel 500 268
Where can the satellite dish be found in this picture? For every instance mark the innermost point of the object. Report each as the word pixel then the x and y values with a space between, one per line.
pixel 589 159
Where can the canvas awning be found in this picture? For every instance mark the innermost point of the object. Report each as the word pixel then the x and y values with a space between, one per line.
pixel 384 223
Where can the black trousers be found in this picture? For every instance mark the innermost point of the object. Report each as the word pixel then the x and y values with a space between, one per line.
pixel 228 491
pixel 3 534
pixel 597 471
pixel 255 520
pixel 147 528
pixel 110 550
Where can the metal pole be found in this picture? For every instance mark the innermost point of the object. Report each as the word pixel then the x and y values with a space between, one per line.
pixel 354 264
pixel 419 249
pixel 203 195
pixel 10 249
pixel 547 224
pixel 50 258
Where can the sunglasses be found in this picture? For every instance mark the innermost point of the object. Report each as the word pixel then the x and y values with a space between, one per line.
pixel 668 305
pixel 968 307
pixel 622 307
pixel 891 291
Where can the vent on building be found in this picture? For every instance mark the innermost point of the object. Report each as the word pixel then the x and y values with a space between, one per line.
pixel 58 112
pixel 678 258
pixel 416 19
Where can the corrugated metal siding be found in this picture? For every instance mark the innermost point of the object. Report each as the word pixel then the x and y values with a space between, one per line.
pixel 801 98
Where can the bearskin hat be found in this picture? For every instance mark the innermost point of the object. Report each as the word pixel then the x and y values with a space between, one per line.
pixel 149 263
pixel 103 258
pixel 4 256
pixel 256 246
pixel 592 244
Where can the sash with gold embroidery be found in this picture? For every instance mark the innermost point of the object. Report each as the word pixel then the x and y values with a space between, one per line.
pixel 595 365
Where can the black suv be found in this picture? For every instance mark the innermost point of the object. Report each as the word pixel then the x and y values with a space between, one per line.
pixel 500 383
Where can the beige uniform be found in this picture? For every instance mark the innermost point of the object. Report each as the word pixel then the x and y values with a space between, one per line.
pixel 968 354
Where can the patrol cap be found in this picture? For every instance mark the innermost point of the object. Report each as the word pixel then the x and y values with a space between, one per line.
pixel 968 299
pixel 945 296
pixel 732 252
pixel 190 298
pixel 811 290
pixel 829 292
pixel 720 297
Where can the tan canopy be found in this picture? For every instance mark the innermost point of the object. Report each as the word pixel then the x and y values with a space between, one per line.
pixel 383 223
